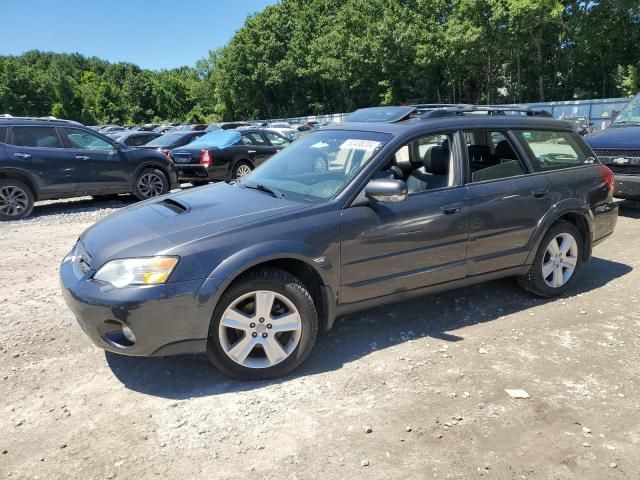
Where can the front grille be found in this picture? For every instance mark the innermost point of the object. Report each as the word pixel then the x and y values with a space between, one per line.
pixel 601 152
pixel 624 169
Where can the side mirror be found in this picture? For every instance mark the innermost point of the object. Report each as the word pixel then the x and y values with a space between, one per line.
pixel 386 190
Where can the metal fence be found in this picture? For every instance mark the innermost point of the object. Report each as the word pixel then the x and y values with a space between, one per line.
pixel 600 112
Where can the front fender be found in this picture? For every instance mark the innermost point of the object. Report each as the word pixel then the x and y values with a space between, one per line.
pixel 569 205
pixel 229 269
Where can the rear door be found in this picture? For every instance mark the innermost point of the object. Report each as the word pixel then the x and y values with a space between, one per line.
pixel 258 148
pixel 100 167
pixel 507 201
pixel 39 151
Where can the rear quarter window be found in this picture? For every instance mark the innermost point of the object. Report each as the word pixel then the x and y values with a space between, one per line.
pixel 553 150
pixel 3 134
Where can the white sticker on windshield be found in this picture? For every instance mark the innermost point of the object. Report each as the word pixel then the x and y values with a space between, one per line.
pixel 356 144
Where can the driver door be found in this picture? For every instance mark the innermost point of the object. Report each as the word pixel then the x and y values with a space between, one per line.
pixel 393 247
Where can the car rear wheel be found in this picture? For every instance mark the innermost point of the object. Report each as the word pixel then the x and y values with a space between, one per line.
pixel 264 326
pixel 241 169
pixel 16 200
pixel 556 262
pixel 150 183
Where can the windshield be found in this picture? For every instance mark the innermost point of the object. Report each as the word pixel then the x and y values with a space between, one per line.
pixel 630 113
pixel 219 138
pixel 319 165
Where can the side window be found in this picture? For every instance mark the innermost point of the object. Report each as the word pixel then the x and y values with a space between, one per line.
pixel 86 141
pixel 276 140
pixel 426 163
pixel 492 156
pixel 252 139
pixel 36 137
pixel 552 150
pixel 3 134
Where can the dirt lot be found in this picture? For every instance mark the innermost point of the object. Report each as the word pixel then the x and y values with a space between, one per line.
pixel 427 377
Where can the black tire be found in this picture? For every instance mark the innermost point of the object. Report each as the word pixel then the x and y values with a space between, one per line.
pixel 16 200
pixel 199 184
pixel 534 281
pixel 150 183
pixel 238 168
pixel 283 283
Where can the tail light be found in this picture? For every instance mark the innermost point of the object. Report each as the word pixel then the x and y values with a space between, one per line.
pixel 206 158
pixel 607 176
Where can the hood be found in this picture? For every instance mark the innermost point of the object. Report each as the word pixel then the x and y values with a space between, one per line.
pixel 616 138
pixel 159 224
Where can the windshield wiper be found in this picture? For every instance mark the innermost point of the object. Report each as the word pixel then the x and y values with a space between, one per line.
pixel 263 188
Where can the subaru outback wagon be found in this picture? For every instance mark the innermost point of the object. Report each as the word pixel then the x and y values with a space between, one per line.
pixel 415 200
pixel 45 159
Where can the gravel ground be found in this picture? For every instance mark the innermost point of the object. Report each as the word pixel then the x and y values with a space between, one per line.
pixel 413 390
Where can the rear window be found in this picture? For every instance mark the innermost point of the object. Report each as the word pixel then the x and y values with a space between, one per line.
pixel 550 150
pixel 43 137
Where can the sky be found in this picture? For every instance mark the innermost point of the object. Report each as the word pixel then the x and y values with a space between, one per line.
pixel 155 34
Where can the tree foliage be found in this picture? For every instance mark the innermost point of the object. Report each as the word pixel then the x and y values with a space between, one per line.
pixel 301 57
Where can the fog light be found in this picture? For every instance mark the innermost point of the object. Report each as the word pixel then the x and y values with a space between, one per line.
pixel 128 334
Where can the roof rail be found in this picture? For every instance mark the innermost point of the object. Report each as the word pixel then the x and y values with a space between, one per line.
pixel 427 111
pixel 7 116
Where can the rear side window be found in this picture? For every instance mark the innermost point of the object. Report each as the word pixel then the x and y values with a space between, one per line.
pixel 552 150
pixel 44 137
pixel 3 134
pixel 492 156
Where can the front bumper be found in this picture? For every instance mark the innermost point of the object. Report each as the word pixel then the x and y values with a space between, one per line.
pixel 627 186
pixel 166 319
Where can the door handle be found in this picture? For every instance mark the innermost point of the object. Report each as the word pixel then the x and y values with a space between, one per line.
pixel 82 157
pixel 540 192
pixel 451 209
pixel 252 151
pixel 21 155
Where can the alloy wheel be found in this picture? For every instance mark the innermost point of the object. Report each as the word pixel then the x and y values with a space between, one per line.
pixel 13 200
pixel 260 329
pixel 243 170
pixel 319 164
pixel 560 260
pixel 150 185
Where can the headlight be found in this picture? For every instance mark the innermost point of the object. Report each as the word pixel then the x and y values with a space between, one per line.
pixel 137 271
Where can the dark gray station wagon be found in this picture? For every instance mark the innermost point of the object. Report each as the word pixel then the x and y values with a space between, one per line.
pixel 415 200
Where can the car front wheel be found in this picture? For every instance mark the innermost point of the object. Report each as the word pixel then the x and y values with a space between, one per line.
pixel 16 200
pixel 264 326
pixel 150 183
pixel 556 262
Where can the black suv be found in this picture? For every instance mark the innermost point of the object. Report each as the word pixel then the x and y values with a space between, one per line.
pixel 618 147
pixel 43 159
pixel 415 200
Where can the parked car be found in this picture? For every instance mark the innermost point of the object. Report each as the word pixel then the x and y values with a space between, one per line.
pixel 250 271
pixel 233 125
pixel 212 127
pixel 618 147
pixel 112 129
pixel 134 138
pixel 225 154
pixel 168 141
pixel 580 124
pixel 51 159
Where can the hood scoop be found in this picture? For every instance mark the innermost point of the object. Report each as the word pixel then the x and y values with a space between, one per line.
pixel 170 207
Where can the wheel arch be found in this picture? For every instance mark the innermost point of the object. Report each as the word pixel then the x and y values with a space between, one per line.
pixel 239 159
pixel 578 215
pixel 21 176
pixel 311 268
pixel 150 163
